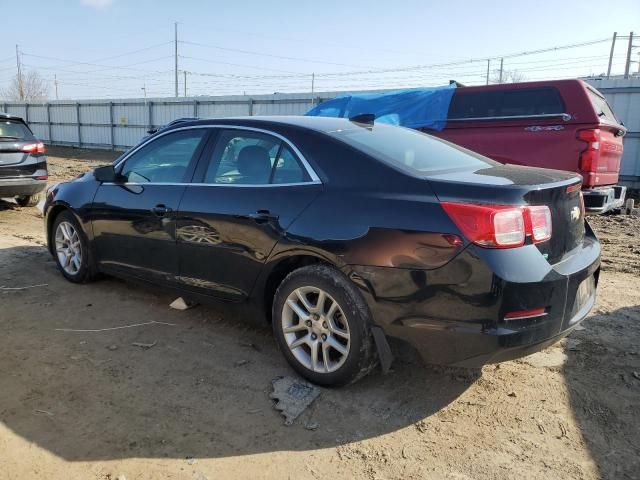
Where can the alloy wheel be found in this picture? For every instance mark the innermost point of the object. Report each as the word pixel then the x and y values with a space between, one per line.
pixel 316 329
pixel 68 248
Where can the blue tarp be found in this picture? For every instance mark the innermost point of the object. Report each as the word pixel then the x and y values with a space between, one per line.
pixel 413 108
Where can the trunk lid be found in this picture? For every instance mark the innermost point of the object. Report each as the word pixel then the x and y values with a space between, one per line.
pixel 515 185
pixel 14 136
pixel 13 160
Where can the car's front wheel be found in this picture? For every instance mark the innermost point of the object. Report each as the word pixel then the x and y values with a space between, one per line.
pixel 71 250
pixel 322 326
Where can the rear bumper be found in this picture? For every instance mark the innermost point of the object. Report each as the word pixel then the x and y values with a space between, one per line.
pixel 12 187
pixel 454 315
pixel 603 199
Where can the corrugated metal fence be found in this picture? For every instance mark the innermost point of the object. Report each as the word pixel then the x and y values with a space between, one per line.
pixel 119 124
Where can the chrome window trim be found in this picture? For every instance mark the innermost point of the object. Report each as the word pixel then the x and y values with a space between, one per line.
pixel 565 116
pixel 184 184
pixel 312 174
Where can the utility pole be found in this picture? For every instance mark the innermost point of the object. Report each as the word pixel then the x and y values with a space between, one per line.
pixel 20 86
pixel 185 82
pixel 175 54
pixel 144 89
pixel 55 82
pixel 488 67
pixel 313 82
pixel 613 47
pixel 501 63
pixel 627 64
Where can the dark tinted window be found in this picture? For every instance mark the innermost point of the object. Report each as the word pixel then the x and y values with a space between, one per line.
pixel 602 108
pixel 253 158
pixel 164 160
pixel 12 129
pixel 410 150
pixel 505 103
pixel 287 169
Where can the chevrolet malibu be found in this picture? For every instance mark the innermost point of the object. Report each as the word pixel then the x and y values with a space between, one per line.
pixel 341 233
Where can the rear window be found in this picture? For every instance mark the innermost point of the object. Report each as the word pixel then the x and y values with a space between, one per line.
pixel 602 108
pixel 414 152
pixel 13 130
pixel 505 103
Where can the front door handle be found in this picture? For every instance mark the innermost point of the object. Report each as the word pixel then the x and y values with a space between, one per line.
pixel 160 210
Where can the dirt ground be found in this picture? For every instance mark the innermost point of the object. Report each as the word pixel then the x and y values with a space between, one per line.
pixel 91 405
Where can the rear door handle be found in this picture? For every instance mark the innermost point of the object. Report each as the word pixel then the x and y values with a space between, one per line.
pixel 262 216
pixel 160 210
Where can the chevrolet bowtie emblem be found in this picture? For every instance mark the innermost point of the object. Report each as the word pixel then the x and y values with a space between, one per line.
pixel 575 213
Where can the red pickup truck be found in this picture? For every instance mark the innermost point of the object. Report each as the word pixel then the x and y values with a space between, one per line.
pixel 561 124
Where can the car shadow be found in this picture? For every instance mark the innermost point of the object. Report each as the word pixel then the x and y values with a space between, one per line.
pixel 602 373
pixel 8 204
pixel 150 381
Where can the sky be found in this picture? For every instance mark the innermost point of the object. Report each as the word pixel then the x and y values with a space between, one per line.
pixel 125 49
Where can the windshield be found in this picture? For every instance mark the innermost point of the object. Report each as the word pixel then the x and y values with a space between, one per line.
pixel 414 152
pixel 12 129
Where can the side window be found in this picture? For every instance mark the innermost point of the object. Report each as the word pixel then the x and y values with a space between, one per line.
pixel 252 158
pixel 164 160
pixel 531 101
pixel 287 168
pixel 506 103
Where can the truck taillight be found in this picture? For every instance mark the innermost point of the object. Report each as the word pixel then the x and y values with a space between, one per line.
pixel 591 154
pixel 500 226
pixel 34 148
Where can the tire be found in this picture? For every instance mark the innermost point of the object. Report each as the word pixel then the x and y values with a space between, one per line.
pixel 29 200
pixel 341 333
pixel 68 239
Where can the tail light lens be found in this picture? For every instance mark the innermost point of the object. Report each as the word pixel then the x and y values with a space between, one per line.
pixel 522 314
pixel 500 226
pixel 539 219
pixel 591 154
pixel 34 148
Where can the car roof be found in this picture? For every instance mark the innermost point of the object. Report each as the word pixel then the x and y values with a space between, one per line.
pixel 320 124
pixel 9 116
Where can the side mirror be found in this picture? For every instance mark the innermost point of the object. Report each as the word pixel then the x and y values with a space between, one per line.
pixel 105 174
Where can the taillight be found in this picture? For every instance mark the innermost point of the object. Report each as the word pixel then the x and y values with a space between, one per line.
pixel 539 219
pixel 500 226
pixel 591 154
pixel 522 314
pixel 34 148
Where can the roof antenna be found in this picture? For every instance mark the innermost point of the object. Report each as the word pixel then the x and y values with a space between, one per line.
pixel 365 118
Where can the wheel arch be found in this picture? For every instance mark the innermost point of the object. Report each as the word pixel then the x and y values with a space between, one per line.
pixel 280 268
pixel 54 211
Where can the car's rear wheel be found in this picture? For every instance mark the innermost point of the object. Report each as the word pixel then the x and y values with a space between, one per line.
pixel 71 251
pixel 28 200
pixel 322 326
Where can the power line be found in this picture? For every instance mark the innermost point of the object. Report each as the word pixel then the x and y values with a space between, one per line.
pixel 105 67
pixel 238 65
pixel 262 54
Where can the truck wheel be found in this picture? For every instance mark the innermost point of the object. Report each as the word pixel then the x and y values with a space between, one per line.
pixel 322 326
pixel 29 200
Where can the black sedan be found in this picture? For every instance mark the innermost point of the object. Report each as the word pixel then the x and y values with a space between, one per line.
pixel 340 233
